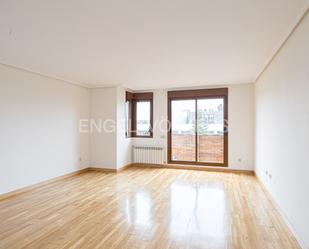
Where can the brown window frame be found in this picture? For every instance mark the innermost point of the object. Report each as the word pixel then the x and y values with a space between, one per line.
pixel 133 99
pixel 195 95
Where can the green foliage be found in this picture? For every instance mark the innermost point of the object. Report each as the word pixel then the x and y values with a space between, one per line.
pixel 202 126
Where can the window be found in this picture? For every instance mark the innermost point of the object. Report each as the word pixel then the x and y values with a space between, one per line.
pixel 143 126
pixel 198 132
pixel 139 111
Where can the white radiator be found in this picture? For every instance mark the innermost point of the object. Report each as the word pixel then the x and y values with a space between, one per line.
pixel 148 155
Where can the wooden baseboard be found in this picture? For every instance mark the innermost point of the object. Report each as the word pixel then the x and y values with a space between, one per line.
pixel 102 169
pixel 169 166
pixel 110 170
pixel 40 184
pixel 202 168
pixel 276 206
pixel 125 167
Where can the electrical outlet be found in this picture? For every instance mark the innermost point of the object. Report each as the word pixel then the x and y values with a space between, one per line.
pixel 80 159
pixel 240 160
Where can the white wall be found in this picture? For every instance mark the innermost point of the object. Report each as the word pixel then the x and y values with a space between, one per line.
pixel 282 135
pixel 109 103
pixel 109 148
pixel 39 136
pixel 123 144
pixel 241 125
pixel 103 144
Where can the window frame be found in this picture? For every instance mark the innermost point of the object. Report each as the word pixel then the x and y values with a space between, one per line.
pixel 128 116
pixel 195 95
pixel 133 99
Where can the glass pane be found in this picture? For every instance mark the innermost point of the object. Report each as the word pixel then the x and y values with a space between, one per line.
pixel 143 118
pixel 183 130
pixel 210 129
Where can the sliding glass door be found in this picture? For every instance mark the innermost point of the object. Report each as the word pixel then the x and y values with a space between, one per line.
pixel 183 130
pixel 210 130
pixel 198 131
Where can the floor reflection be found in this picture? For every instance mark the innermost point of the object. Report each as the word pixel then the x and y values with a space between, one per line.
pixel 194 213
pixel 197 210
pixel 145 208
pixel 138 210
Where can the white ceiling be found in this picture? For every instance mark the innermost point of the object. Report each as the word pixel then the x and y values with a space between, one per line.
pixel 145 44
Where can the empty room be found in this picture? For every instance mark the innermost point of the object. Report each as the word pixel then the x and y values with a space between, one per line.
pixel 154 124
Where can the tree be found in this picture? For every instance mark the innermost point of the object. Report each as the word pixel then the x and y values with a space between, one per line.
pixel 202 125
